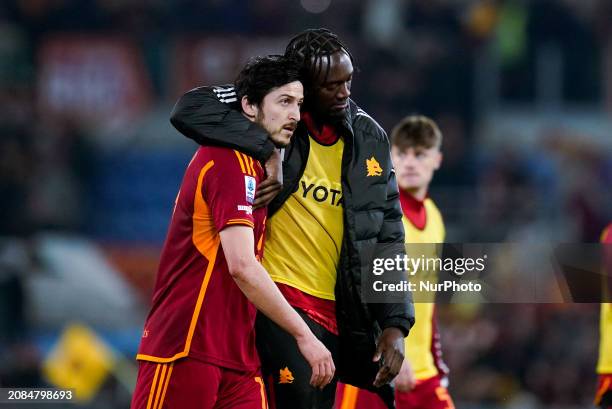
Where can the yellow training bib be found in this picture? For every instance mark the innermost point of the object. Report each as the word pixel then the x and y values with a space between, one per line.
pixel 304 237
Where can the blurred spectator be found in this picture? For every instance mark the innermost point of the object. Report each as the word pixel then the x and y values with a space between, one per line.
pixel 16 160
pixel 62 171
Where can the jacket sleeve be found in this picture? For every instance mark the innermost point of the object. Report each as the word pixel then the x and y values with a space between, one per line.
pixel 392 230
pixel 396 314
pixel 212 116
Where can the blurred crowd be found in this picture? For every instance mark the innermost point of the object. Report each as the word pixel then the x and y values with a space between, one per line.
pixel 432 57
pixel 461 62
pixel 523 356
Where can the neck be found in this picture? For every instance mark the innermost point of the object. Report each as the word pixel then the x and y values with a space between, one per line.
pixel 324 134
pixel 413 209
pixel 322 118
pixel 419 193
pixel 316 119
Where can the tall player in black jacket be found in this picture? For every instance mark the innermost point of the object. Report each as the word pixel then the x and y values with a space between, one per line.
pixel 369 347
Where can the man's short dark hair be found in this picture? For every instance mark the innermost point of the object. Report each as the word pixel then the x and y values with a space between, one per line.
pixel 261 75
pixel 416 131
pixel 311 48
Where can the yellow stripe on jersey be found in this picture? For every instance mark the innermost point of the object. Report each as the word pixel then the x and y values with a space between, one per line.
pixel 241 221
pixel 261 238
pixel 251 166
pixel 153 387
pixel 309 227
pixel 349 397
pixel 163 396
pixel 240 161
pixel 418 342
pixel 604 364
pixel 246 163
pixel 262 391
pixel 162 378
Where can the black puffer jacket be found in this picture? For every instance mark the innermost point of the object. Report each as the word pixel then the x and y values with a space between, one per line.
pixel 372 213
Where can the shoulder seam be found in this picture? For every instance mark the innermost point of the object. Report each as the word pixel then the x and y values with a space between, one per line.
pixel 362 113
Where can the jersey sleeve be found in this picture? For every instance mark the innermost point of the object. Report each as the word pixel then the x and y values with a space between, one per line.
pixel 229 188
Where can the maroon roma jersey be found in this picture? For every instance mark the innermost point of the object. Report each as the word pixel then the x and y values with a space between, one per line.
pixel 198 310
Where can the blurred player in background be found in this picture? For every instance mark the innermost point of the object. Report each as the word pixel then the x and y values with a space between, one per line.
pixel 603 397
pixel 338 196
pixel 421 383
pixel 198 344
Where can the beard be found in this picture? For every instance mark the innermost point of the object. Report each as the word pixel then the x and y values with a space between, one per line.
pixel 327 116
pixel 274 135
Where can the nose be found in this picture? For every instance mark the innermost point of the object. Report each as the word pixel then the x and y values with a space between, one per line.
pixel 409 161
pixel 345 91
pixel 294 113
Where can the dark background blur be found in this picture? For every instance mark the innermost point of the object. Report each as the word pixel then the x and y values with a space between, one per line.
pixel 90 166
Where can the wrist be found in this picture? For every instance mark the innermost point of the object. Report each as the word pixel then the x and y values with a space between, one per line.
pixel 398 323
pixel 302 333
pixel 394 331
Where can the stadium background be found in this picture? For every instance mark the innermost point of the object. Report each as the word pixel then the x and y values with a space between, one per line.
pixel 90 166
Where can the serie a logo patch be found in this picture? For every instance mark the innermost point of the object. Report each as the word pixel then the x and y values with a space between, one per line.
pixel 249 188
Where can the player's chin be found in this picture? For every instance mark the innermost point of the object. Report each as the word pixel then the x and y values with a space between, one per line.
pixel 336 112
pixel 408 184
pixel 282 138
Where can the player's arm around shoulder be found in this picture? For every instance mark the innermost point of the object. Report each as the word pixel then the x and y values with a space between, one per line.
pixel 211 115
pixel 199 106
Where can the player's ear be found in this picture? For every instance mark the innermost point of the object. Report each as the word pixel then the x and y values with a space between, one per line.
pixel 439 158
pixel 249 109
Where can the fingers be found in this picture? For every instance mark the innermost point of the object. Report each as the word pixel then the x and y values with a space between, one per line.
pixel 266 191
pixel 320 360
pixel 404 381
pixel 268 182
pixel 264 197
pixel 315 379
pixel 323 373
pixel 396 365
pixel 322 376
pixel 378 354
pixel 391 367
pixel 381 376
pixel 402 386
pixel 329 373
